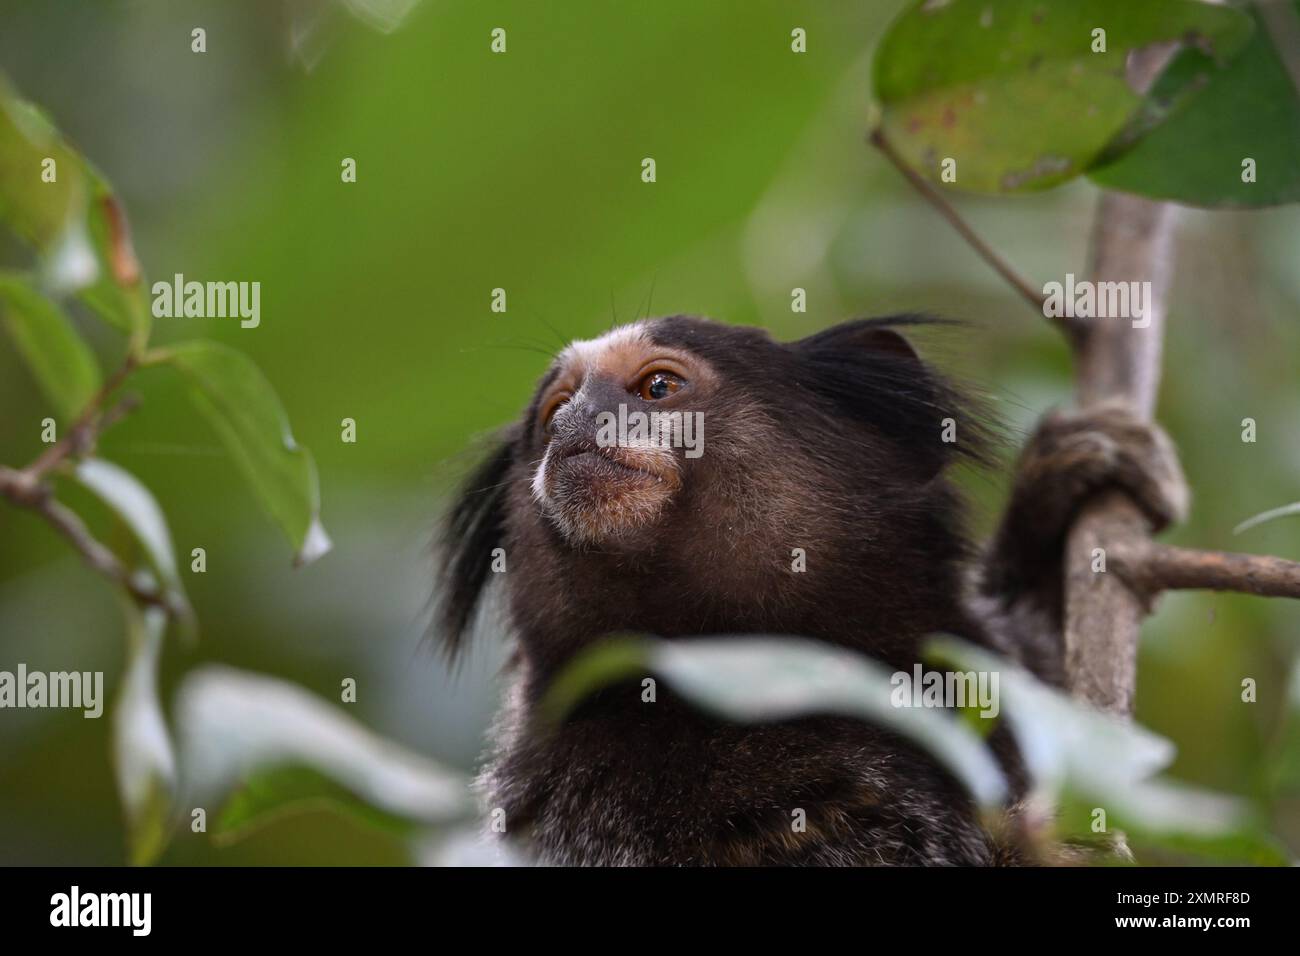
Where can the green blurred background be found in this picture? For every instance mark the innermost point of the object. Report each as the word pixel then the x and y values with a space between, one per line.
pixel 522 171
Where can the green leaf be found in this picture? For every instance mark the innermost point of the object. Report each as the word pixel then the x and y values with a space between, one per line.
pixel 599 666
pixel 1250 108
pixel 136 507
pixel 39 212
pixel 260 748
pixel 750 679
pixel 269 795
pixel 75 223
pixel 1083 759
pixel 1012 90
pixel 243 407
pixel 59 359
pixel 142 748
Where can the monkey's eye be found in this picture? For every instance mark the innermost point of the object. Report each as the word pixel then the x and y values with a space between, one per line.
pixel 659 385
pixel 556 402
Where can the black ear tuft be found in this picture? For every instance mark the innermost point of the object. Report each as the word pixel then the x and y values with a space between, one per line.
pixel 867 335
pixel 474 526
pixel 871 373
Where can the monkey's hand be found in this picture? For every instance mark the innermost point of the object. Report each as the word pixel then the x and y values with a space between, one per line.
pixel 1071 457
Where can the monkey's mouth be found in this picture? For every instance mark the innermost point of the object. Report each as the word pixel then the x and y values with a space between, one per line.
pixel 596 479
pixel 595 493
pixel 625 461
pixel 597 461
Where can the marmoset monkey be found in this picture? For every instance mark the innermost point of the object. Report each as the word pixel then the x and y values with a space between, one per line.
pixel 833 444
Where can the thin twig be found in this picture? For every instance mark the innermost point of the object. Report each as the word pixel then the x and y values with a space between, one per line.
pixel 29 488
pixel 936 198
pixel 118 412
pixel 1153 567
pixel 18 488
pixel 84 432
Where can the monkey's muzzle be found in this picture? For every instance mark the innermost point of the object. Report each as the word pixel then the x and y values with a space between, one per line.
pixel 593 493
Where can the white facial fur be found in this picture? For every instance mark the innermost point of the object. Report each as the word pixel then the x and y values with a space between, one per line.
pixel 584 355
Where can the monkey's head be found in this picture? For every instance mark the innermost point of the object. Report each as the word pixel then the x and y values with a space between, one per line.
pixel 680 476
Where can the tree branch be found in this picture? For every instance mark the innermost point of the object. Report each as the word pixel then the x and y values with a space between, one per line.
pixel 1119 357
pixel 18 487
pixel 1132 240
pixel 1153 567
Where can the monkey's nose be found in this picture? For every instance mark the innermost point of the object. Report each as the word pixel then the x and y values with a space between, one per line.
pixel 599 395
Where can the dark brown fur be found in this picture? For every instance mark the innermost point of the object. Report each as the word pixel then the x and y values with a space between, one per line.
pixel 833 445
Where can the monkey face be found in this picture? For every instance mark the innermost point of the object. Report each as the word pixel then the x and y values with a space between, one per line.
pixel 665 475
pixel 615 423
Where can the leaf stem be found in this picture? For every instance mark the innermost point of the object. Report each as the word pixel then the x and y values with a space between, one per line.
pixel 84 432
pixel 935 197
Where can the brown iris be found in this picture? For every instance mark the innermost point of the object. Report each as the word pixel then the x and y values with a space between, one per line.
pixel 659 384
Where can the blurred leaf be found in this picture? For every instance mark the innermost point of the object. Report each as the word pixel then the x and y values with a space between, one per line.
pixel 313 26
pixel 1083 758
pixel 1062 741
pixel 74 222
pixel 59 359
pixel 1181 819
pixel 749 679
pixel 135 506
pixel 383 15
pixel 1285 775
pixel 1012 90
pixel 247 414
pixel 39 212
pixel 282 791
pixel 142 748
pixel 263 747
pixel 1250 108
pixel 598 666
pixel 466 846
